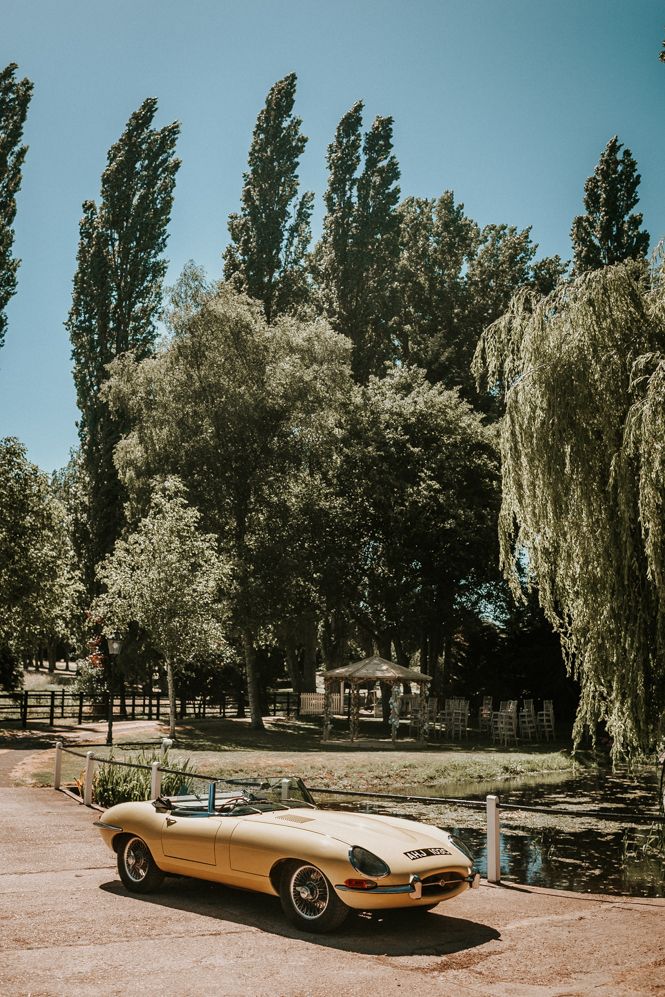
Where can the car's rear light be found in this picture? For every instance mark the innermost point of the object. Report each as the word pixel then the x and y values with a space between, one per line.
pixel 360 884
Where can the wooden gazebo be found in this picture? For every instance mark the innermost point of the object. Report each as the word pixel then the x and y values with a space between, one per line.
pixel 374 669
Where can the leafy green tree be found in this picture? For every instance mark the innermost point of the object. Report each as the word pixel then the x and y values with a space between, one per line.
pixel 454 280
pixel 271 233
pixel 242 412
pixel 424 473
pixel 583 494
pixel 437 244
pixel 166 576
pixel 116 299
pixel 609 231
pixel 355 261
pixel 40 590
pixel 14 100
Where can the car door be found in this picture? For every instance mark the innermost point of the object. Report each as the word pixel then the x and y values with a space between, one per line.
pixel 191 839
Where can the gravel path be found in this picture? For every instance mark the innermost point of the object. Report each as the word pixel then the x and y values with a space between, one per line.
pixel 68 926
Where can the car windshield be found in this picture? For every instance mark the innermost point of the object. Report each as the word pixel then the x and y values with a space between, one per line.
pixel 251 798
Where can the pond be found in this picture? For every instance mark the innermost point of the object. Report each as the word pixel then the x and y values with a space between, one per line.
pixel 583 854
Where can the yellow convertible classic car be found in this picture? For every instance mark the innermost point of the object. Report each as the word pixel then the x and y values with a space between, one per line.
pixel 321 863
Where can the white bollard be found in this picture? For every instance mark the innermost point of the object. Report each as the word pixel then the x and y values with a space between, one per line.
pixel 58 765
pixel 286 785
pixel 89 770
pixel 493 841
pixel 155 781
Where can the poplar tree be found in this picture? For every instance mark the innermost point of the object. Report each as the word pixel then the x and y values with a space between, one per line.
pixel 610 232
pixel 116 299
pixel 270 234
pixel 355 262
pixel 14 100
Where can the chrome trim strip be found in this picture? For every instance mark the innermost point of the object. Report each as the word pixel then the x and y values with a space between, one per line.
pixel 107 827
pixel 413 887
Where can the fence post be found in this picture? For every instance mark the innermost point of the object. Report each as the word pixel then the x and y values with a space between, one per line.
pixel 24 709
pixel 51 712
pixel 155 781
pixel 89 769
pixel 62 703
pixel 80 708
pixel 493 841
pixel 58 765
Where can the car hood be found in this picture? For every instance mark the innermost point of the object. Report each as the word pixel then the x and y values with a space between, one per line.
pixel 388 837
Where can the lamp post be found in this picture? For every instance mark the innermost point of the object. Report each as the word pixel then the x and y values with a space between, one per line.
pixel 114 646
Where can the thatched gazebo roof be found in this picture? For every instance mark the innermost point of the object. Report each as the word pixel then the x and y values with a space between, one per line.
pixel 375 669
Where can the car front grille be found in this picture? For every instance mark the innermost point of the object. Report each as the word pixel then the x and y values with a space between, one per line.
pixel 441 882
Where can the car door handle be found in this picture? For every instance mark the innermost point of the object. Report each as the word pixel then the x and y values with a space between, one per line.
pixel 170 820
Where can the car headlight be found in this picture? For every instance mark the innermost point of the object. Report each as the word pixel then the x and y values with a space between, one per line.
pixel 460 846
pixel 367 863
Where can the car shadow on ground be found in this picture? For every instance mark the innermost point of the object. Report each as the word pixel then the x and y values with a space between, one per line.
pixel 395 933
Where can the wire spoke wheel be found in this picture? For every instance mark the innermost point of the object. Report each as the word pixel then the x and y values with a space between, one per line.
pixel 137 859
pixel 308 899
pixel 309 892
pixel 137 867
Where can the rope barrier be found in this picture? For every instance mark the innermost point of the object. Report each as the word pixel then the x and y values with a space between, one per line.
pixel 472 804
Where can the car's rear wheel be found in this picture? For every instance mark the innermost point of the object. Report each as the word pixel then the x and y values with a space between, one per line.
pixel 308 898
pixel 136 866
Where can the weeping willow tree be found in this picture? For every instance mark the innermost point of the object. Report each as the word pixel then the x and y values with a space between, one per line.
pixel 582 373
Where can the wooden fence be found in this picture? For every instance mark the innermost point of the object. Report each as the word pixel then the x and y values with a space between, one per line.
pixel 49 707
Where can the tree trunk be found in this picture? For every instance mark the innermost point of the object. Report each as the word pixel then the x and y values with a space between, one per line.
pixel 309 654
pixel 434 653
pixel 50 650
pixel 291 658
pixel 172 704
pixel 334 636
pixel 256 722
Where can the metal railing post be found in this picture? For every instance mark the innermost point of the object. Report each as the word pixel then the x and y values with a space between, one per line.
pixel 155 780
pixel 493 841
pixel 89 770
pixel 58 765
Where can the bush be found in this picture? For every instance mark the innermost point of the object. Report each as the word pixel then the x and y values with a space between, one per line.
pixel 120 784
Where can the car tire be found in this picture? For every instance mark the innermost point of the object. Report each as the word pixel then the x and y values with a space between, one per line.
pixel 309 900
pixel 136 866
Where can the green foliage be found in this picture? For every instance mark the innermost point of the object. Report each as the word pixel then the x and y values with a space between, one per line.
pixel 14 100
pixel 423 474
pixel 454 280
pixel 583 485
pixel 167 577
pixel 116 299
pixel 271 233
pixel 245 414
pixel 119 784
pixel 608 233
pixel 40 590
pixel 355 261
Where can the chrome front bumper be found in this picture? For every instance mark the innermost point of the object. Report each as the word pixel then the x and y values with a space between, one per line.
pixel 414 887
pixel 105 826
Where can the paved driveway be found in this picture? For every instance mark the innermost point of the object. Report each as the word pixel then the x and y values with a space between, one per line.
pixel 67 926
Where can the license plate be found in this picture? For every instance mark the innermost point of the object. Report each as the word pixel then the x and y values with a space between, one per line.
pixel 423 853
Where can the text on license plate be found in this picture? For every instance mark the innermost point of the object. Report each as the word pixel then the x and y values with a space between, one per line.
pixel 423 853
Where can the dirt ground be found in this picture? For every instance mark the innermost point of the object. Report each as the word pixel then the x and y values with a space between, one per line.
pixel 68 926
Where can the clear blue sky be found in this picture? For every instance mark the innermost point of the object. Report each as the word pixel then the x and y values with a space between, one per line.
pixel 507 102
